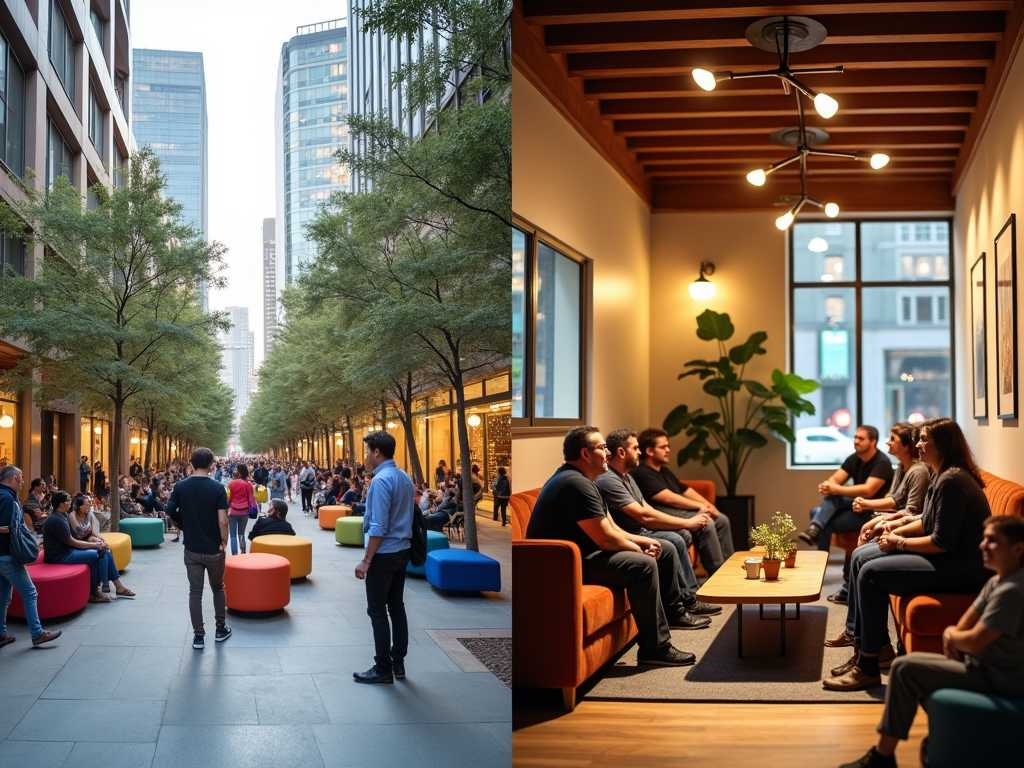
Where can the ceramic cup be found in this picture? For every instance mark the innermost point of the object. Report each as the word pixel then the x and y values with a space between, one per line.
pixel 753 566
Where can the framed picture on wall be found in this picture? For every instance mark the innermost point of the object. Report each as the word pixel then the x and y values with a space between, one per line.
pixel 979 337
pixel 1005 251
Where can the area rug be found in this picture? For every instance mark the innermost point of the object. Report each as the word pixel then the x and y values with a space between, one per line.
pixel 495 653
pixel 761 675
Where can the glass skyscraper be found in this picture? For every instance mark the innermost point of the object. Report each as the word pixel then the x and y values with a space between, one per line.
pixel 312 104
pixel 169 116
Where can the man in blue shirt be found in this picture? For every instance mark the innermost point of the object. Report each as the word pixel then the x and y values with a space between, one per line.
pixel 388 523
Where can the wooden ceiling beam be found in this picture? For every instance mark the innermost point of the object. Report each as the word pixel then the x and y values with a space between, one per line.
pixel 748 160
pixel 891 81
pixel 546 12
pixel 748 59
pixel 849 29
pixel 868 194
pixel 847 143
pixel 685 126
pixel 930 170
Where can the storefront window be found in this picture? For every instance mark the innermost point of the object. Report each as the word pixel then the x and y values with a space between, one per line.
pixel 8 429
pixel 440 439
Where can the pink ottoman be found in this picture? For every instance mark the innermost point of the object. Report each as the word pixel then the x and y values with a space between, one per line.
pixel 63 590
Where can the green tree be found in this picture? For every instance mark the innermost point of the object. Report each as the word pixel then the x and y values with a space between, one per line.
pixel 116 293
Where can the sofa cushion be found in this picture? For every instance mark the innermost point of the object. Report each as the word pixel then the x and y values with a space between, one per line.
pixel 930 614
pixel 1005 497
pixel 601 606
pixel 521 507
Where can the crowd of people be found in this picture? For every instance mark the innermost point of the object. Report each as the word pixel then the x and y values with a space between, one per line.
pixel 923 526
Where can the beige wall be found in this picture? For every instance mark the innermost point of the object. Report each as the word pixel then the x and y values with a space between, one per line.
pixel 562 185
pixel 991 189
pixel 750 282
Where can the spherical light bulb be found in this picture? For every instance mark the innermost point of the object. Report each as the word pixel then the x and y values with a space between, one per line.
pixel 831 210
pixel 757 177
pixel 6 421
pixel 702 290
pixel 98 430
pixel 783 222
pixel 473 420
pixel 825 105
pixel 704 79
pixel 817 245
pixel 879 160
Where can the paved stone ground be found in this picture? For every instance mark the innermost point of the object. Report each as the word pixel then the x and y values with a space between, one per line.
pixel 123 688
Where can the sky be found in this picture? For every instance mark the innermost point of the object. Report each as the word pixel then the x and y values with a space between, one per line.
pixel 241 42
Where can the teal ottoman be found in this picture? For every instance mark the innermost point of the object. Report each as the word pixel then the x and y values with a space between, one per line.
pixel 994 724
pixel 462 570
pixel 144 531
pixel 349 530
pixel 435 541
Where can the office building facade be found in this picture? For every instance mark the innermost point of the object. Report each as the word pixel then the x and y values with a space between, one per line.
pixel 269 285
pixel 237 359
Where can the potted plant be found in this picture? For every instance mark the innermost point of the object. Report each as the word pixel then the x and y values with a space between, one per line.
pixel 774 546
pixel 783 525
pixel 747 412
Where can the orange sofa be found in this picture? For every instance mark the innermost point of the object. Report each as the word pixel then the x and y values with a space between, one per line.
pixel 564 630
pixel 920 619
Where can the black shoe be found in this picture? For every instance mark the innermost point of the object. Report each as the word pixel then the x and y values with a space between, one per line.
pixel 670 657
pixel 872 759
pixel 373 676
pixel 839 598
pixel 810 535
pixel 703 609
pixel 198 642
pixel 689 621
pixel 398 668
pixel 223 633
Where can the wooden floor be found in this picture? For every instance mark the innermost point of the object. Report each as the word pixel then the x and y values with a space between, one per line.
pixel 695 735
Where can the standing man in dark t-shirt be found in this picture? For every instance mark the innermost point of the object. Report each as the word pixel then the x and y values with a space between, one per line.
pixel 570 508
pixel 199 507
pixel 663 491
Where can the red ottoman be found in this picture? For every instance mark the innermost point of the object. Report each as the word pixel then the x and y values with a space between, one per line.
pixel 63 590
pixel 257 583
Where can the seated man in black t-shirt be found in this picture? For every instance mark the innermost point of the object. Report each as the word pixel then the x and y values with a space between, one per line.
pixel 274 522
pixel 709 528
pixel 570 508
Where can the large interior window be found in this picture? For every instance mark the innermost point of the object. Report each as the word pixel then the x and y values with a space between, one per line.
pixel 548 311
pixel 871 320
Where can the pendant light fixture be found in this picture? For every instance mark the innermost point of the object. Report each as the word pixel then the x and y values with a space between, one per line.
pixel 785 35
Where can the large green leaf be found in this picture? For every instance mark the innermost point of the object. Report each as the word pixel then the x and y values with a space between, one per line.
pixel 677 420
pixel 714 326
pixel 700 363
pixel 717 387
pixel 757 389
pixel 783 430
pixel 751 437
pixel 797 383
pixel 710 455
pixel 743 353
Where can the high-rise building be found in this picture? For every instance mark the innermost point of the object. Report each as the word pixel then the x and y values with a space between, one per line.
pixel 237 358
pixel 269 286
pixel 312 105
pixel 169 116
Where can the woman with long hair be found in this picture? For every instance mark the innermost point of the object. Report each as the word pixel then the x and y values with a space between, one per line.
pixel 243 498
pixel 936 553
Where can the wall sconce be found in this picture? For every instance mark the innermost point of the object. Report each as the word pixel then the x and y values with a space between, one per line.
pixel 98 430
pixel 6 421
pixel 473 420
pixel 391 425
pixel 703 289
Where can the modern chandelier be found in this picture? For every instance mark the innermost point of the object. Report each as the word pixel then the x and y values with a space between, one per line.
pixel 785 35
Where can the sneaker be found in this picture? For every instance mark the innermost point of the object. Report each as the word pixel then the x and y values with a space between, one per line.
pixel 854 680
pixel 700 608
pixel 106 587
pixel 46 637
pixel 872 759
pixel 398 668
pixel 810 534
pixel 198 642
pixel 688 621
pixel 374 676
pixel 223 633
pixel 839 598
pixel 7 640
pixel 843 640
pixel 670 657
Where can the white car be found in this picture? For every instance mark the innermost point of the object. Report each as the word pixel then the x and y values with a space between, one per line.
pixel 821 445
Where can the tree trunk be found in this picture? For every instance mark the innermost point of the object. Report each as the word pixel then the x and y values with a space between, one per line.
pixel 115 465
pixel 405 414
pixel 465 461
pixel 351 439
pixel 150 423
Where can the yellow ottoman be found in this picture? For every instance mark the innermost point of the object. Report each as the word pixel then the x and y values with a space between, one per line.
pixel 295 549
pixel 120 548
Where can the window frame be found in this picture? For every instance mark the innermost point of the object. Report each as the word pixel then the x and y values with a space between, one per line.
pixel 858 284
pixel 530 424
pixel 69 64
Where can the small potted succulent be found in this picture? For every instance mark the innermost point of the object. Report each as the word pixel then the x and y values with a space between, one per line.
pixel 776 537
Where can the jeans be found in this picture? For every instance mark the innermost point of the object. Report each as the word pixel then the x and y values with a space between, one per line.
pixel 213 565
pixel 686 577
pixel 101 564
pixel 385 588
pixel 501 507
pixel 435 521
pixel 236 532
pixel 861 555
pixel 14 574
pixel 836 515
pixel 307 499
pixel 714 542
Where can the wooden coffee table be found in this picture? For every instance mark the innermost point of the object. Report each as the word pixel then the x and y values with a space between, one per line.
pixel 802 584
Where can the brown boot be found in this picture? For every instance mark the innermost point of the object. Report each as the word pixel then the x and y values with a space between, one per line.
pixel 843 640
pixel 854 680
pixel 845 667
pixel 46 637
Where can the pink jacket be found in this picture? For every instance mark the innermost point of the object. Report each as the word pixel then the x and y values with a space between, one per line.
pixel 242 497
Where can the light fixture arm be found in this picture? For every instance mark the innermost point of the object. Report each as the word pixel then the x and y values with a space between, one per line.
pixel 843 155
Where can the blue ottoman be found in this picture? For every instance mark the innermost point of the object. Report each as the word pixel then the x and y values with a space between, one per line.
pixel 144 531
pixel 993 722
pixel 461 570
pixel 435 541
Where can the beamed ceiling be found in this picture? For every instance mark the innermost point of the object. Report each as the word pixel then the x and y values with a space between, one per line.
pixel 919 81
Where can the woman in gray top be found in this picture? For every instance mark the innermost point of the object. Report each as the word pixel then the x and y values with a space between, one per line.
pixel 984 652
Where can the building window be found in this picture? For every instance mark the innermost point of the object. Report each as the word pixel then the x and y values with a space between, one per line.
pixel 870 319
pixel 12 110
pixel 12 255
pixel 9 428
pixel 548 311
pixel 58 156
pixel 62 49
pixel 99 26
pixel 96 120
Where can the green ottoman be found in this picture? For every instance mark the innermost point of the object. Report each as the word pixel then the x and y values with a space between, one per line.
pixel 993 722
pixel 349 530
pixel 435 540
pixel 144 531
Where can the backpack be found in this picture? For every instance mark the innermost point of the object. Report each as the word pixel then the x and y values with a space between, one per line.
pixel 24 547
pixel 418 540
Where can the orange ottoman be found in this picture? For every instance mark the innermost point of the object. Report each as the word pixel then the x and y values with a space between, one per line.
pixel 258 582
pixel 329 514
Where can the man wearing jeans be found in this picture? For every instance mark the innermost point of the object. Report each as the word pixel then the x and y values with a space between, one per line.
pixel 199 507
pixel 388 522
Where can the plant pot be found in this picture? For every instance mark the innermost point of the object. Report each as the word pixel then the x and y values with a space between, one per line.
pixel 740 511
pixel 791 559
pixel 771 569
